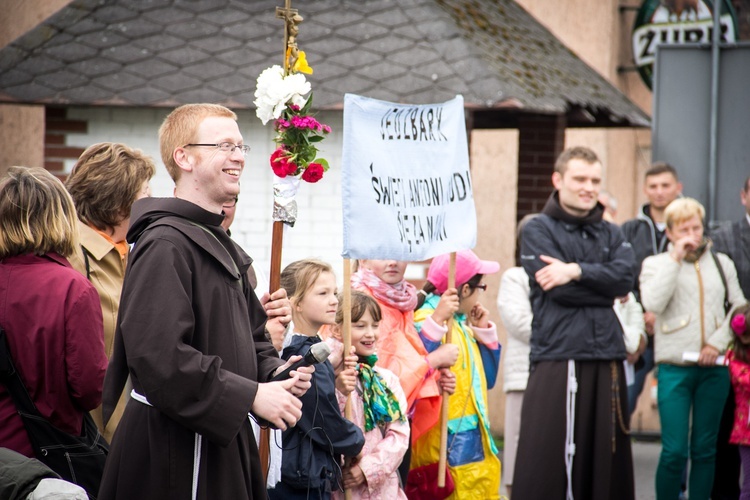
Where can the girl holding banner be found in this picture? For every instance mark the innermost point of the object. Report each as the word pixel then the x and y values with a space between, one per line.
pixel 379 407
pixel 472 455
pixel 400 349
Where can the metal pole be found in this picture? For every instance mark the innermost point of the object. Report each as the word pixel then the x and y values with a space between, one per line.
pixel 714 110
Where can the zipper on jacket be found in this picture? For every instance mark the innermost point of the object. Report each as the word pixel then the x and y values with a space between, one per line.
pixel 700 298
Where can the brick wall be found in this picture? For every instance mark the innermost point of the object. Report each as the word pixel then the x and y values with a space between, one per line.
pixel 57 151
pixel 541 139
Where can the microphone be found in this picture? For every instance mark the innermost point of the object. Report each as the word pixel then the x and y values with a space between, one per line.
pixel 317 354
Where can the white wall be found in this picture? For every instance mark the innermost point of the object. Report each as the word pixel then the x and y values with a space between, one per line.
pixel 318 231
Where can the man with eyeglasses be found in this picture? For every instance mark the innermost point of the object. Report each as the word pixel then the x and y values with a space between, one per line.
pixel 574 439
pixel 192 334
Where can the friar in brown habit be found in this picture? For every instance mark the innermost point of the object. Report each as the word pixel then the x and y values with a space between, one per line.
pixel 191 333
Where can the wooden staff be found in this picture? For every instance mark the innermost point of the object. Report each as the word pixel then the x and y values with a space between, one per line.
pixel 346 331
pixel 264 441
pixel 443 460
pixel 277 242
pixel 291 20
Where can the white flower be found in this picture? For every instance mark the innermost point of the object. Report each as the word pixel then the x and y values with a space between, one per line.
pixel 274 91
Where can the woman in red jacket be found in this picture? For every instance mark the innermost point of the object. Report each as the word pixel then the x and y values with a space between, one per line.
pixel 50 312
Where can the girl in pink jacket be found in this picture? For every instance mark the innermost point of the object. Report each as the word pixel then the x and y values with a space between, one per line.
pixel 378 408
pixel 739 371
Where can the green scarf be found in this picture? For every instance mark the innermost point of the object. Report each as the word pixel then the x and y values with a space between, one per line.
pixel 380 404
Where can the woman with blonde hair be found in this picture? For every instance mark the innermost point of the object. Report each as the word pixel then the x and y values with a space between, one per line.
pixel 686 287
pixel 105 181
pixel 50 313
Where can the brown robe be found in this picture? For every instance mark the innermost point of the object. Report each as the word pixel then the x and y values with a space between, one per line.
pixel 191 335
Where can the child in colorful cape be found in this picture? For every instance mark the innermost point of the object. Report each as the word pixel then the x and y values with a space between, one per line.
pixel 378 407
pixel 312 450
pixel 400 350
pixel 738 358
pixel 472 459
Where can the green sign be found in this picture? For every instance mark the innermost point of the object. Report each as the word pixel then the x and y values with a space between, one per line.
pixel 675 22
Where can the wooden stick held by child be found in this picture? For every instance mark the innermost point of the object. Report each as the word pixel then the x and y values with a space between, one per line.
pixel 378 407
pixel 313 449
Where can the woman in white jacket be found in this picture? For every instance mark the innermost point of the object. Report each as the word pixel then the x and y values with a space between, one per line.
pixel 684 288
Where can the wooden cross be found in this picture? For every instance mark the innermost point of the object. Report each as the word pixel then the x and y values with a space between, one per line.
pixel 291 19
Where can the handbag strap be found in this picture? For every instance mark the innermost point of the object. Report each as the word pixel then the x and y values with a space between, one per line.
pixel 723 277
pixel 10 377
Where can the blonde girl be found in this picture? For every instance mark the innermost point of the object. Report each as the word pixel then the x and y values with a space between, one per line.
pixel 313 449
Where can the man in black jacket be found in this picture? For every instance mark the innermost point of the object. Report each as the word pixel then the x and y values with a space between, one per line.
pixel 733 240
pixel 574 423
pixel 646 234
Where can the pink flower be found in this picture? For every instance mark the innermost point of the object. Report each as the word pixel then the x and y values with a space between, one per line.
pixel 282 124
pixel 306 122
pixel 299 121
pixel 326 129
pixel 738 324
pixel 281 165
pixel 313 172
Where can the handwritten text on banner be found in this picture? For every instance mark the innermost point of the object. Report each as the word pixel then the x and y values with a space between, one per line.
pixel 406 182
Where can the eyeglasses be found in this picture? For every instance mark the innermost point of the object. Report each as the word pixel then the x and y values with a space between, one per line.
pixel 225 147
pixel 481 286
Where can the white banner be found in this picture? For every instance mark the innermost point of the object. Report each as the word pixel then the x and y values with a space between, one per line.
pixel 407 191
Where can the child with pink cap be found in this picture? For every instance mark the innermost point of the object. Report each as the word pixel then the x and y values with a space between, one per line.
pixel 472 455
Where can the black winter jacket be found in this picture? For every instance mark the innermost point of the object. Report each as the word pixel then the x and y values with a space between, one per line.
pixel 577 320
pixel 20 475
pixel 312 449
pixel 645 239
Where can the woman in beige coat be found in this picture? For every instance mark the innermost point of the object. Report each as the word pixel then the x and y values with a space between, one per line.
pixel 106 180
pixel 684 288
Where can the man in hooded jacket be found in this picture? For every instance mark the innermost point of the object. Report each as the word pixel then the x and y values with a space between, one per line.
pixel 191 334
pixel 574 428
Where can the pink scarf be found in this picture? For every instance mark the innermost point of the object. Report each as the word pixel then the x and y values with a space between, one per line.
pixel 402 295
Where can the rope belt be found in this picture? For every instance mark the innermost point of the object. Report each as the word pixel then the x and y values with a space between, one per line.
pixel 570 445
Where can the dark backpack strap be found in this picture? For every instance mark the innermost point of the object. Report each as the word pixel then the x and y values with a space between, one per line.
pixel 723 276
pixel 7 369
pixel 12 380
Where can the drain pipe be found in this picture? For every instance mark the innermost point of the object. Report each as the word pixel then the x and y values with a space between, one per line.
pixel 714 109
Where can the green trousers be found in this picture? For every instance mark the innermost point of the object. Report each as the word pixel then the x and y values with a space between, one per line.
pixel 684 391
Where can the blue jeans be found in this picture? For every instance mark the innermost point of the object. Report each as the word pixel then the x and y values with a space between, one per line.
pixel 635 389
